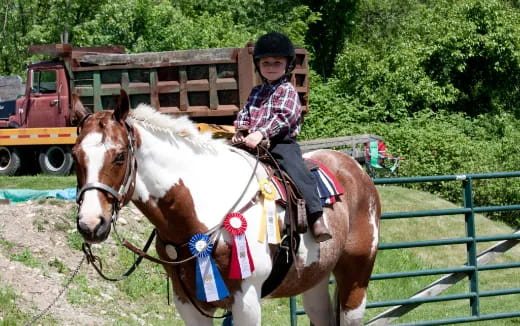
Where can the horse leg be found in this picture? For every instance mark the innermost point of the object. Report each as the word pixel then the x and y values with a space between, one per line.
pixel 190 315
pixel 317 305
pixel 352 276
pixel 246 307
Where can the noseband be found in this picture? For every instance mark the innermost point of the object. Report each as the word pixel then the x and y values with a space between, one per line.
pixel 121 197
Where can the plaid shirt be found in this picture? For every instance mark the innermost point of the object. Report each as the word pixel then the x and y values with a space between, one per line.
pixel 272 109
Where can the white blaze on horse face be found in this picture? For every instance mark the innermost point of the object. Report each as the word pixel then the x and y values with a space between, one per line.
pixel 94 150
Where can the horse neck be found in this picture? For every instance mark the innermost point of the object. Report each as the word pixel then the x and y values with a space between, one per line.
pixel 195 187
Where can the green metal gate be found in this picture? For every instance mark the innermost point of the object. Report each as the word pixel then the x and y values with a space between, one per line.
pixel 475 262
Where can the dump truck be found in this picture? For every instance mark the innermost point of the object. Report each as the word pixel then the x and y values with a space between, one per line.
pixel 37 130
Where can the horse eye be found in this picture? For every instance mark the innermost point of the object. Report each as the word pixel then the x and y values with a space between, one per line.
pixel 120 158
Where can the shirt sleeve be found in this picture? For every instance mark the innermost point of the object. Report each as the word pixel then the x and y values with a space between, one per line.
pixel 286 112
pixel 243 120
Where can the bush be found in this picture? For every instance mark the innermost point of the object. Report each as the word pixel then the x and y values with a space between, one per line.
pixel 446 144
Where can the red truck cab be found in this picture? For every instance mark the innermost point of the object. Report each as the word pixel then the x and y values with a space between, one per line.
pixel 45 103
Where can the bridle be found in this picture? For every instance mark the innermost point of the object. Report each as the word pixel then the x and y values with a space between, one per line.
pixel 123 195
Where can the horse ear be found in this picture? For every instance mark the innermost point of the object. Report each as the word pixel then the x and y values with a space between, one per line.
pixel 78 110
pixel 122 108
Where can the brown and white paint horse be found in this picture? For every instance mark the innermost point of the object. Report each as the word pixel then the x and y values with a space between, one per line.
pixel 185 183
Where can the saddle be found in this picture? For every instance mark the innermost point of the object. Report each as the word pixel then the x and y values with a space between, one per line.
pixel 292 199
pixel 284 254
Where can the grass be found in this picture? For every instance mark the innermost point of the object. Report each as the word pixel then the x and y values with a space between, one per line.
pixel 142 296
pixel 26 257
pixel 430 228
pixel 10 313
pixel 38 182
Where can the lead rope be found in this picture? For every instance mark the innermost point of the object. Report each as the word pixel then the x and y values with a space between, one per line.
pixel 46 310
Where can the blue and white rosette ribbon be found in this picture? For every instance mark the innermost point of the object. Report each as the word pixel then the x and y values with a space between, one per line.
pixel 209 283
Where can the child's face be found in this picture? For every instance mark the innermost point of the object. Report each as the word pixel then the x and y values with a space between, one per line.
pixel 272 68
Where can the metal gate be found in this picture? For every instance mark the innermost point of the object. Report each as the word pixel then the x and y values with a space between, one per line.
pixel 475 262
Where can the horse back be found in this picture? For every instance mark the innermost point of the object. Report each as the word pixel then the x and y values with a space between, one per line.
pixel 353 221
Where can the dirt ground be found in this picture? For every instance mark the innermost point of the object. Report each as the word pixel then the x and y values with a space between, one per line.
pixel 41 228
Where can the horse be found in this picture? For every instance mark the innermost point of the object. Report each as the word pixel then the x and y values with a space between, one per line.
pixel 185 182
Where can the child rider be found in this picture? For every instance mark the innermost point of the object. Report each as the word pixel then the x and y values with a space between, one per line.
pixel 273 111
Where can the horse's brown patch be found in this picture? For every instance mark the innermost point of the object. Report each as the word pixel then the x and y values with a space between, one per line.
pixel 175 212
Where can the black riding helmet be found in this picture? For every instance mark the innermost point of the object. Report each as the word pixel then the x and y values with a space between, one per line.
pixel 275 44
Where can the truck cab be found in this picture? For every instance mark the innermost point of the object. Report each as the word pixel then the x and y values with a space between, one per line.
pixel 45 102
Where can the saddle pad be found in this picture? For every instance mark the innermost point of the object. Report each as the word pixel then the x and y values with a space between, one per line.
pixel 328 186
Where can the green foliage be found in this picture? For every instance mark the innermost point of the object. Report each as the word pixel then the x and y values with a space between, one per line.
pixel 406 57
pixel 145 25
pixel 328 31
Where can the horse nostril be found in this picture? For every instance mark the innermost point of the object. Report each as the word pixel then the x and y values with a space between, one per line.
pixel 102 228
pixel 83 228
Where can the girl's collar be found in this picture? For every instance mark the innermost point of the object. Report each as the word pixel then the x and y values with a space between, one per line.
pixel 275 84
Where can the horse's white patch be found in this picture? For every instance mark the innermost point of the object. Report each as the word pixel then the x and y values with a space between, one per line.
pixel 354 317
pixel 309 250
pixel 372 220
pixel 190 315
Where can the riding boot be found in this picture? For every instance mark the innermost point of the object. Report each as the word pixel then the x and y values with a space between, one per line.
pixel 319 228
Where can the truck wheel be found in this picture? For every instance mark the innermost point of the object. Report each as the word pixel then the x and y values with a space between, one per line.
pixel 9 160
pixel 56 160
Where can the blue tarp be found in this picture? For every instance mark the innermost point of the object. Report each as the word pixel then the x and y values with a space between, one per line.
pixel 19 195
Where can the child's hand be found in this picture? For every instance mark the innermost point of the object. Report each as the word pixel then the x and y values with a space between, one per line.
pixel 238 137
pixel 253 139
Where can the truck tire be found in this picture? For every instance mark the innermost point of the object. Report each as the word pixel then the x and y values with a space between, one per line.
pixel 9 160
pixel 56 160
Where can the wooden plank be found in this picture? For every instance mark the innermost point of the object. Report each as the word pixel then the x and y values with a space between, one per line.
pixel 125 80
pixel 321 143
pixel 213 95
pixel 181 57
pixel 246 73
pixel 442 284
pixel 154 90
pixel 96 90
pixel 183 91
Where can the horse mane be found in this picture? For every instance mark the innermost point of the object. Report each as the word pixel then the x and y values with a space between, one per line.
pixel 175 127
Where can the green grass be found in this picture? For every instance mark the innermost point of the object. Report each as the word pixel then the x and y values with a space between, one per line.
pixel 144 292
pixel 26 257
pixel 10 314
pixel 38 182
pixel 431 228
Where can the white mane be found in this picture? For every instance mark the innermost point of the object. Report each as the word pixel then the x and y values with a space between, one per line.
pixel 175 127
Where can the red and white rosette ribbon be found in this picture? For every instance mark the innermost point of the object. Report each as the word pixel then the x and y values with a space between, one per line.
pixel 241 265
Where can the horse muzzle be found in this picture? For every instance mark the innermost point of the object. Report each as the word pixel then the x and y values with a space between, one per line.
pixel 93 232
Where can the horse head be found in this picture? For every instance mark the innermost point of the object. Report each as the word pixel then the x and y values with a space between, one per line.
pixel 105 167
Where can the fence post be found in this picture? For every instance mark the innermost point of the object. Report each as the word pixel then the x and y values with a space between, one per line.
pixel 292 305
pixel 471 247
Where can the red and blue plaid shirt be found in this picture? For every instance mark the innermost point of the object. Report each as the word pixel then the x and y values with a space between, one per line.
pixel 272 109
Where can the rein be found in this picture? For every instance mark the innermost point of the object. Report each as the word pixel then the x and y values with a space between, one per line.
pixel 92 259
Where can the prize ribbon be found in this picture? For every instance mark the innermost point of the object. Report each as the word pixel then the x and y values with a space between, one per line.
pixel 241 265
pixel 269 218
pixel 208 282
